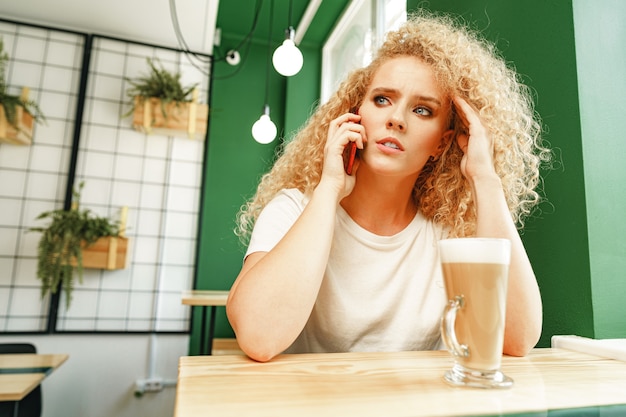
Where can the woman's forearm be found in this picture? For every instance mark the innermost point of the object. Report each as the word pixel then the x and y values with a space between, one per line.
pixel 524 308
pixel 272 298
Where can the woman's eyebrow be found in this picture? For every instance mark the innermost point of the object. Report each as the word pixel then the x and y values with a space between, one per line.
pixel 385 91
pixel 421 98
pixel 429 99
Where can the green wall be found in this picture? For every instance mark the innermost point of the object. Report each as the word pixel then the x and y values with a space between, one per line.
pixel 233 167
pixel 537 36
pixel 601 53
pixel 303 90
pixel 567 245
pixel 235 162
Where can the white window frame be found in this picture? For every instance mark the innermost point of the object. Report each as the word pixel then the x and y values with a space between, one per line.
pixel 384 15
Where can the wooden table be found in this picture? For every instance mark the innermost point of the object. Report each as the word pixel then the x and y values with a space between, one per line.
pixel 204 299
pixel 390 384
pixel 21 373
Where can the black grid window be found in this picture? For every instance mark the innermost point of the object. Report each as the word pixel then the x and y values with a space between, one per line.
pixel 159 179
pixel 33 178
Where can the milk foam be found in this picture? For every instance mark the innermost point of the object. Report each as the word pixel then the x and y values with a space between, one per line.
pixel 475 250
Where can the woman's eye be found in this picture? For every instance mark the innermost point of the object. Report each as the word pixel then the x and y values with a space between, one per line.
pixel 423 111
pixel 380 100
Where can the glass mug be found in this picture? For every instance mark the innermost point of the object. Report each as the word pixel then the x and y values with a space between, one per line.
pixel 475 273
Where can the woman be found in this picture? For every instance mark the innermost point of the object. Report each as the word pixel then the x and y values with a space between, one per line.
pixel 448 146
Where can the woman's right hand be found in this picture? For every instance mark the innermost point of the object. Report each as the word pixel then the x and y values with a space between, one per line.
pixel 288 277
pixel 341 131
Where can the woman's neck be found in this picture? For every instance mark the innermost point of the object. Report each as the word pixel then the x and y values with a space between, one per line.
pixel 381 205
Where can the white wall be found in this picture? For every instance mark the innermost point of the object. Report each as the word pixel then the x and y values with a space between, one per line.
pixel 139 20
pixel 98 379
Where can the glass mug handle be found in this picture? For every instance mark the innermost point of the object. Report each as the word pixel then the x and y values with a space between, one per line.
pixel 447 328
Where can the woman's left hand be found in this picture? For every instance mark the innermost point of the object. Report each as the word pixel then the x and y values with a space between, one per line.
pixel 475 142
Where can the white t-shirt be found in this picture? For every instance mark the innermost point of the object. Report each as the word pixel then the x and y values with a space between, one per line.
pixel 379 293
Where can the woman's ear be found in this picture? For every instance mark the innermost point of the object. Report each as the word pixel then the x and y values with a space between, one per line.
pixel 446 138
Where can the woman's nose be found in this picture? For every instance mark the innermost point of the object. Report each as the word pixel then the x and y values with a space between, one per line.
pixel 396 121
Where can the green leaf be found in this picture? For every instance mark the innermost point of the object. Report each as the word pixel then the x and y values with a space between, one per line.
pixel 12 102
pixel 61 241
pixel 159 83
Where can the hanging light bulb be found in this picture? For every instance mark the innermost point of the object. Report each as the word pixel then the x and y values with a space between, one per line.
pixel 287 58
pixel 264 130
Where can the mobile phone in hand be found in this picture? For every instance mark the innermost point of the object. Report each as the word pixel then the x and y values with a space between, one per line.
pixel 349 154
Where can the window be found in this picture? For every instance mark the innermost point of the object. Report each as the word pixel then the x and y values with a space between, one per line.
pixel 158 177
pixel 358 33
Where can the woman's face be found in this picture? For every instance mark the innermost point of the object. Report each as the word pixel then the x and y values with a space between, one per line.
pixel 405 116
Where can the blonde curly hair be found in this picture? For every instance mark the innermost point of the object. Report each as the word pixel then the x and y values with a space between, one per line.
pixel 465 65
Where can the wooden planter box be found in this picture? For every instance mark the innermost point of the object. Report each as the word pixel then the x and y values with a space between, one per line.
pixel 187 119
pixel 106 253
pixel 23 135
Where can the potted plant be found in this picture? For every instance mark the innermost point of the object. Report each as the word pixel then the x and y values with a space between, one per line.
pixel 161 105
pixel 17 113
pixel 77 239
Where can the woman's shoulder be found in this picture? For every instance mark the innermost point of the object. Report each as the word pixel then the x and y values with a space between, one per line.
pixel 292 195
pixel 291 192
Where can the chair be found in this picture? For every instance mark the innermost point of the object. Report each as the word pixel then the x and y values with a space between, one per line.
pixel 30 406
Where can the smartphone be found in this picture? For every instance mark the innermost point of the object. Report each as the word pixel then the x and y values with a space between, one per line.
pixel 349 154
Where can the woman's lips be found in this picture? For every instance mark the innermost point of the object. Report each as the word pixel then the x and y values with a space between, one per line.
pixel 389 145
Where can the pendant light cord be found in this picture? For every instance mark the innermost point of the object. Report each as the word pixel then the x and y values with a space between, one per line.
pixel 269 53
